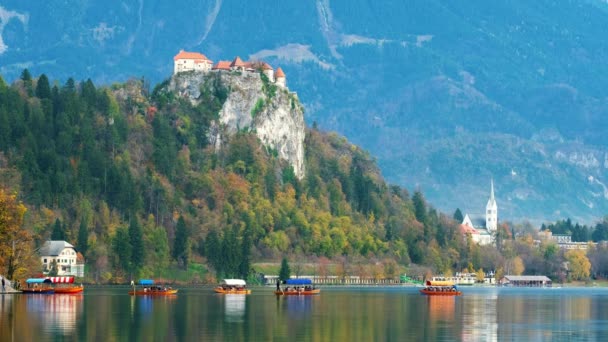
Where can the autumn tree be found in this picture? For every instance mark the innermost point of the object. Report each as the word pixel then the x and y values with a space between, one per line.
pixel 15 242
pixel 580 267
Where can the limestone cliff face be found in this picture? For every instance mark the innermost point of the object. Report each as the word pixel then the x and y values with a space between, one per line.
pixel 253 104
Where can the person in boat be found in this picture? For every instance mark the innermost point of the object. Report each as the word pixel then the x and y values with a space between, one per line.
pixel 278 285
pixel 3 285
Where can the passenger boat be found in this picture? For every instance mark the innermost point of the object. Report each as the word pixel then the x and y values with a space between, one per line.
pixel 297 287
pixel 38 285
pixel 65 285
pixel 440 288
pixel 149 289
pixel 232 286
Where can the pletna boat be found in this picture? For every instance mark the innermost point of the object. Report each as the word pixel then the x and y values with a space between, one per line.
pixel 65 285
pixel 38 285
pixel 440 288
pixel 148 288
pixel 297 287
pixel 232 286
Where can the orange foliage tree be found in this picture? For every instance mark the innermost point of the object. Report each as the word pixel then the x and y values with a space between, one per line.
pixel 15 242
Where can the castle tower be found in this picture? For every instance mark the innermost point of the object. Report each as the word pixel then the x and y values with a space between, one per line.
pixel 279 77
pixel 491 211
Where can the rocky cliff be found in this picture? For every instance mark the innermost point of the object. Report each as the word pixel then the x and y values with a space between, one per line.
pixel 253 103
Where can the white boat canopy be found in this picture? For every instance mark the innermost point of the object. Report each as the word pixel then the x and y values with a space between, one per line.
pixel 234 282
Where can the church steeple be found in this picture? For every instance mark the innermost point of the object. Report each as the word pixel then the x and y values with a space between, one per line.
pixel 491 210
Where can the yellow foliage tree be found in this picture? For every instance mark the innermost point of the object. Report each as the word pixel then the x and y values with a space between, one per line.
pixel 15 242
pixel 517 265
pixel 580 267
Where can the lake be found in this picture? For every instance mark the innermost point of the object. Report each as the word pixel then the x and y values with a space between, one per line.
pixel 337 314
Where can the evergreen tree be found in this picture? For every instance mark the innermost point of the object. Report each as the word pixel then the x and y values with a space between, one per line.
pixel 26 77
pixel 58 231
pixel 419 207
pixel 137 245
pixel 284 272
pixel 245 265
pixel 213 252
pixel 181 247
pixel 83 237
pixel 121 246
pixel 458 216
pixel 43 88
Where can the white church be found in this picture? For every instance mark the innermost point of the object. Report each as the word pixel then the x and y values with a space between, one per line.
pixel 482 229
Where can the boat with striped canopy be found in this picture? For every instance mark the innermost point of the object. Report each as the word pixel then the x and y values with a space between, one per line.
pixel 65 285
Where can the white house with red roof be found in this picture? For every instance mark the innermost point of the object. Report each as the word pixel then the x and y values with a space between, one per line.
pixel 480 228
pixel 191 61
pixel 280 78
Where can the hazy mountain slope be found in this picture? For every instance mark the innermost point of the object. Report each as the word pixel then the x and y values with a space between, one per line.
pixel 446 94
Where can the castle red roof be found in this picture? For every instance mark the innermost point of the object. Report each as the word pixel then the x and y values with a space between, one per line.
pixel 237 62
pixel 279 73
pixel 221 65
pixel 190 55
pixel 266 66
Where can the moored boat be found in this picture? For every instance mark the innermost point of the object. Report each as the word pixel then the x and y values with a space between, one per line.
pixel 38 285
pixel 148 288
pixel 440 288
pixel 232 286
pixel 297 287
pixel 65 285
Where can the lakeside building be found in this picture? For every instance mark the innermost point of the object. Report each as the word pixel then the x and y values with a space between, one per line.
pixel 66 257
pixel 481 228
pixel 563 241
pixel 528 281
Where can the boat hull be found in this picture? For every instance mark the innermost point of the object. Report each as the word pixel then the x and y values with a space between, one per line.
pixel 231 291
pixel 298 293
pixel 69 290
pixel 32 291
pixel 153 293
pixel 440 293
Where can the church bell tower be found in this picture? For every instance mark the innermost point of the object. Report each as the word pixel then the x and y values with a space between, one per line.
pixel 491 211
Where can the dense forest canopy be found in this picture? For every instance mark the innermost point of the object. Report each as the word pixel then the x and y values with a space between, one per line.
pixel 128 177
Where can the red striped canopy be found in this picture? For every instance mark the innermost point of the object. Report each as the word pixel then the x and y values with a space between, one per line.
pixel 67 280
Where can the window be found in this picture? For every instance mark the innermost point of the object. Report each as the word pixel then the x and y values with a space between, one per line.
pixel 44 261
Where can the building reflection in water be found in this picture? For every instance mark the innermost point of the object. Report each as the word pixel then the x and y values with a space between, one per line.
pixel 56 312
pixel 479 317
pixel 234 307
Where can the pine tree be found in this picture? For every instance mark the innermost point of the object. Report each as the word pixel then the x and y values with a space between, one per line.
pixel 458 216
pixel 181 247
pixel 58 231
pixel 137 245
pixel 43 88
pixel 83 237
pixel 284 272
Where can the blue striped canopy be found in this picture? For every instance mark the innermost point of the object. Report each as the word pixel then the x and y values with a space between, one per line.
pixel 146 282
pixel 38 281
pixel 298 281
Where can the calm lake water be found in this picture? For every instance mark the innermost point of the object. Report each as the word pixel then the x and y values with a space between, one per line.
pixel 337 314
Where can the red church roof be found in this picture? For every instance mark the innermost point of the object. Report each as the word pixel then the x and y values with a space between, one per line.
pixel 190 55
pixel 279 73
pixel 465 229
pixel 237 62
pixel 221 65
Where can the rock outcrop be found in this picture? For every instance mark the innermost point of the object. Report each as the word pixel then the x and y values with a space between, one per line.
pixel 253 104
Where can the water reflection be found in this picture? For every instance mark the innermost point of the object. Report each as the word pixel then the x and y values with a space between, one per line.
pixel 234 307
pixel 480 317
pixel 441 307
pixel 56 313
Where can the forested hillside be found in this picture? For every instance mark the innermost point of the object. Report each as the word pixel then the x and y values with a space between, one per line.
pixel 128 177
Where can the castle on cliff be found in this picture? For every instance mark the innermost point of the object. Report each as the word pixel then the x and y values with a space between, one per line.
pixel 482 229
pixel 194 61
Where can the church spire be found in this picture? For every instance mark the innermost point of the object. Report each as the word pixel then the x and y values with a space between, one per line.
pixel 491 210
